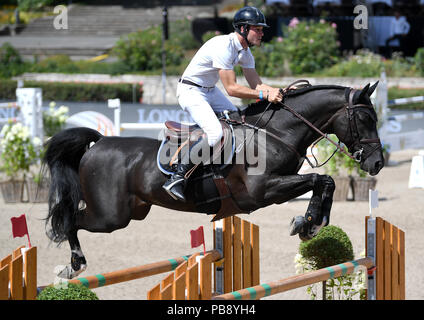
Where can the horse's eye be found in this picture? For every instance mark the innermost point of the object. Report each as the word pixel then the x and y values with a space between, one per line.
pixel 364 116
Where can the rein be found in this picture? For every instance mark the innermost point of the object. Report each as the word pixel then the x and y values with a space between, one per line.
pixel 322 134
pixel 350 109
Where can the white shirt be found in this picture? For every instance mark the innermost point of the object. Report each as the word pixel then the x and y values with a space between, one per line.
pixel 398 26
pixel 220 52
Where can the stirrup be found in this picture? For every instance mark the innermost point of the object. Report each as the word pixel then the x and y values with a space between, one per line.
pixel 170 184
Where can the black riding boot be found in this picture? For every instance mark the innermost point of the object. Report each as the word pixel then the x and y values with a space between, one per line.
pixel 176 184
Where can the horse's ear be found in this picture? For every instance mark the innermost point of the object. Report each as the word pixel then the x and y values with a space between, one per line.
pixel 372 88
pixel 364 91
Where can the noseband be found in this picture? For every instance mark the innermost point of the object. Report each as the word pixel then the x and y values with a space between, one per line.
pixel 358 143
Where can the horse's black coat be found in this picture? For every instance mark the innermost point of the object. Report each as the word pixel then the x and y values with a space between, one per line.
pixel 118 178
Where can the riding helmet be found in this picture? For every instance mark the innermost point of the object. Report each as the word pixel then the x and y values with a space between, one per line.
pixel 249 16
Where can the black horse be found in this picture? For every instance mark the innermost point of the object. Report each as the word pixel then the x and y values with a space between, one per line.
pixel 101 183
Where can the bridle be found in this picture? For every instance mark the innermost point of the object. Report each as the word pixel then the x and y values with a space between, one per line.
pixel 362 152
pixel 351 109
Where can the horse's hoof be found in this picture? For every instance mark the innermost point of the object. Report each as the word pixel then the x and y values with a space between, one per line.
pixel 67 272
pixel 304 237
pixel 296 225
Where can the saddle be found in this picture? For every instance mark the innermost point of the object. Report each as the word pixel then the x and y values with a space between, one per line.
pixel 182 134
pixel 211 190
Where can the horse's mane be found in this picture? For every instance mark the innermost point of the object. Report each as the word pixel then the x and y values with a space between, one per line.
pixel 306 89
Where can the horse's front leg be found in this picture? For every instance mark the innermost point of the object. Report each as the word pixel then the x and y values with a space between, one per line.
pixel 280 189
pixel 319 208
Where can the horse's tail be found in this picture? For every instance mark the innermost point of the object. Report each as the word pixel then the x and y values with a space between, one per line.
pixel 63 155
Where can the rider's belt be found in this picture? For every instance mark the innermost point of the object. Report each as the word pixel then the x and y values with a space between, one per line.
pixel 193 84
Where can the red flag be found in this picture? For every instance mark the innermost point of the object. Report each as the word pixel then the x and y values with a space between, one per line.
pixel 198 238
pixel 19 227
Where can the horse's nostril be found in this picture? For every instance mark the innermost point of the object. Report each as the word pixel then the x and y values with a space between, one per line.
pixel 378 165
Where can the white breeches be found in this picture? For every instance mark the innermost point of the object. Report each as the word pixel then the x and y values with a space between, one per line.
pixel 202 104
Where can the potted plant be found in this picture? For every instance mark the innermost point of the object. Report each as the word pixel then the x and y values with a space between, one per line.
pixel 38 184
pixel 334 168
pixel 330 247
pixel 386 153
pixel 54 120
pixel 361 182
pixel 18 153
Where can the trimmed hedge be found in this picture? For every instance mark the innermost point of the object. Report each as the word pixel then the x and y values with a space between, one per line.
pixel 70 91
pixel 331 246
pixel 70 292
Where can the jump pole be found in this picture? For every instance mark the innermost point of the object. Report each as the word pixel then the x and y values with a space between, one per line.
pixel 271 288
pixel 385 263
pixel 105 279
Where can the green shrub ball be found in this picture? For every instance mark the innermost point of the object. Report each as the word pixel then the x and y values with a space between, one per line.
pixel 72 292
pixel 330 247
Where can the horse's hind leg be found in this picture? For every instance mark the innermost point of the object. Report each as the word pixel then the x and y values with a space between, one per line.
pixel 78 263
pixel 318 213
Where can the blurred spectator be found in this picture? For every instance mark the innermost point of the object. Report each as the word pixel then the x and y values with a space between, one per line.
pixel 324 2
pixel 328 5
pixel 380 7
pixel 399 28
pixel 283 2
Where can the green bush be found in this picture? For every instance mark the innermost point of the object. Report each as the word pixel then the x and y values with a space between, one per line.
pixel 270 57
pixel 339 164
pixel 30 5
pixel 180 32
pixel 73 91
pixel 142 50
pixel 310 46
pixel 399 66
pixel 362 64
pixel 325 151
pixel 70 291
pixel 11 63
pixel 63 64
pixel 8 89
pixel 331 246
pixel 419 60
pixel 99 67
pixel 57 63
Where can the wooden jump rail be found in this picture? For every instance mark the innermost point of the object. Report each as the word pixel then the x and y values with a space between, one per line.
pixel 12 285
pixel 238 240
pixel 294 282
pixel 385 249
pixel 105 279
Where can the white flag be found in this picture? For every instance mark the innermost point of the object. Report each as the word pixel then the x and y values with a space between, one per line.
pixel 373 198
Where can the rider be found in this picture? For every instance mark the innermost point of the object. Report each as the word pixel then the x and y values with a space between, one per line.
pixel 198 95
